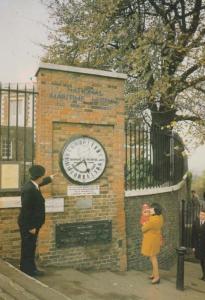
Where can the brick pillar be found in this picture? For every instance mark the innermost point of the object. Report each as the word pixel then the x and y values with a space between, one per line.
pixel 73 102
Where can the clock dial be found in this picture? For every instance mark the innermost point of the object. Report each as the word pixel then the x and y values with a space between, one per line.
pixel 83 159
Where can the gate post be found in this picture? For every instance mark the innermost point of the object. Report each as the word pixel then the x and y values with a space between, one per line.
pixel 180 268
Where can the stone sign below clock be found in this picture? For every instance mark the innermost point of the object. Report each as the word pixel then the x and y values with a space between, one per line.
pixel 78 190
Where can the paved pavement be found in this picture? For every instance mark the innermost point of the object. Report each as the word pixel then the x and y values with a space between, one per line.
pixel 69 284
pixel 131 285
pixel 15 285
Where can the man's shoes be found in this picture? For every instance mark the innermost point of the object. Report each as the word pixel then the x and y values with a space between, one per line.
pixel 33 273
pixel 38 273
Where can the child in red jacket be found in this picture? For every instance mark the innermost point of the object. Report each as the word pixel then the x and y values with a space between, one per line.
pixel 145 214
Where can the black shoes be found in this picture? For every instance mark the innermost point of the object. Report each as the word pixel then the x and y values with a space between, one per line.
pixel 34 273
pixel 38 273
pixel 203 278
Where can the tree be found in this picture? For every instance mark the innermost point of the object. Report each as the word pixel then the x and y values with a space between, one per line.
pixel 158 43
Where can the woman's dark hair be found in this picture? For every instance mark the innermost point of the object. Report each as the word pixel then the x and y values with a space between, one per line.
pixel 157 208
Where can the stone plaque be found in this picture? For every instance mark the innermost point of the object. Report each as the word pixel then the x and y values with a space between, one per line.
pixel 10 202
pixel 54 205
pixel 80 190
pixel 85 233
pixel 9 174
pixel 84 203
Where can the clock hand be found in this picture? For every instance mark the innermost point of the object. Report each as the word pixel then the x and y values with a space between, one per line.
pixel 80 162
pixel 87 169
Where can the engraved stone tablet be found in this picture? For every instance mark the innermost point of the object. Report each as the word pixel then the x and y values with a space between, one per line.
pixel 83 233
pixel 79 190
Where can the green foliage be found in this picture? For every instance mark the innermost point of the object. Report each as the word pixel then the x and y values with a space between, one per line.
pixel 140 174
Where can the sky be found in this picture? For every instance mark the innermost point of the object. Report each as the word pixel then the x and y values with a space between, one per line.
pixel 197 160
pixel 22 30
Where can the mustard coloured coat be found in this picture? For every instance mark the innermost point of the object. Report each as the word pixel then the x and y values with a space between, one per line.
pixel 152 236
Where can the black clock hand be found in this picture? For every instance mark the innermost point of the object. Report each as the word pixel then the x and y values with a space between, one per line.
pixel 80 162
pixel 87 169
pixel 85 163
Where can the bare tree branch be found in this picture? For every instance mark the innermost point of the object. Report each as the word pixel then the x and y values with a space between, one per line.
pixel 189 71
pixel 186 118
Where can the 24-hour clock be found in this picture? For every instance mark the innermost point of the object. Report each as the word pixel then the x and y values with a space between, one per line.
pixel 83 160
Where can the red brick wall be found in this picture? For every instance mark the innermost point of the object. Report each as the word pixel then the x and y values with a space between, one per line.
pixel 9 234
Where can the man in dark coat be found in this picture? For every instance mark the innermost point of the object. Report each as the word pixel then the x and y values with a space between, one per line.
pixel 198 239
pixel 31 218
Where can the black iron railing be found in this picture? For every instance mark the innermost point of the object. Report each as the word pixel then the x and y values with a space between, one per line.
pixel 154 157
pixel 17 118
pixel 189 212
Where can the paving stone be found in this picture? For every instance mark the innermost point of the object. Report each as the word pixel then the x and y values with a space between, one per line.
pixel 19 286
pixel 15 290
pixel 5 296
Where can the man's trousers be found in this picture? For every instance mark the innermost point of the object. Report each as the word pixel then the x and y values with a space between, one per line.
pixel 28 250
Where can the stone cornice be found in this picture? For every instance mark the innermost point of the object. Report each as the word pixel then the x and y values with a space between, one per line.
pixel 87 71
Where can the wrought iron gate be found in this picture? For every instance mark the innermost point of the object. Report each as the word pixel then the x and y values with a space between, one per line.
pixel 189 212
pixel 17 123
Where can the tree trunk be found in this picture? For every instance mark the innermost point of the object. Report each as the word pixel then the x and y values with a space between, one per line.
pixel 162 147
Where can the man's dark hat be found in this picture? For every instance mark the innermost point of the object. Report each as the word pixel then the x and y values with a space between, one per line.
pixel 36 171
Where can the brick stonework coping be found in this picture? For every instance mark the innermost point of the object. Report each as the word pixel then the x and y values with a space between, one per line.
pixel 80 70
pixel 157 190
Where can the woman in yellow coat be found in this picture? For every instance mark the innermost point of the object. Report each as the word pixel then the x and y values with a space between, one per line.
pixel 152 239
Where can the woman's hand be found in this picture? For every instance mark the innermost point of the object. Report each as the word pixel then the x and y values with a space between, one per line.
pixel 193 249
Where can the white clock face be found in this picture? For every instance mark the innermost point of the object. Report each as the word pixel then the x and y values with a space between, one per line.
pixel 83 160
